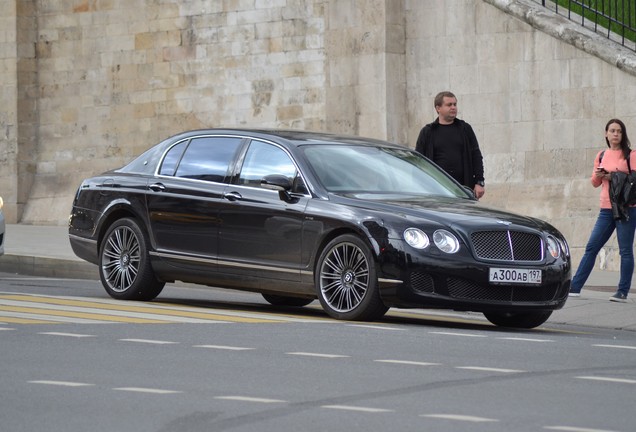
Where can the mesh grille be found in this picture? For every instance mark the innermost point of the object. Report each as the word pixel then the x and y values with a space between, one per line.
pixel 507 245
pixel 464 289
pixel 422 282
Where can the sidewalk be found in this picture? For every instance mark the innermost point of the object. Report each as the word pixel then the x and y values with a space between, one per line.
pixel 46 251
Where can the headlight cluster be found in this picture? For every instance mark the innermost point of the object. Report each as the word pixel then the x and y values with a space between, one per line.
pixel 556 246
pixel 444 240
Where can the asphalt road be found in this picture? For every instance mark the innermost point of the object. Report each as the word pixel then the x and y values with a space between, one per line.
pixel 219 360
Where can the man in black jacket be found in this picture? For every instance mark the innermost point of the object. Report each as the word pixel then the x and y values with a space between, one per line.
pixel 452 144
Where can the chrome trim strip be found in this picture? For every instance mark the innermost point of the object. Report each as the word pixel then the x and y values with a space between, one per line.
pixel 257 267
pixel 228 263
pixel 183 257
pixel 390 281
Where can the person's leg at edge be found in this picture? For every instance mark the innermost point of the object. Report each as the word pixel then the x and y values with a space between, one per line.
pixel 601 233
pixel 625 236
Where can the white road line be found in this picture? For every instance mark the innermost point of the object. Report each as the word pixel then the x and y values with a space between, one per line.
pixel 223 347
pixel 149 341
pixel 376 327
pixel 408 362
pixel 575 429
pixel 61 383
pixel 357 408
pixel 6 329
pixel 629 347
pixel 608 379
pixel 250 399
pixel 76 335
pixel 459 417
pixel 489 369
pixel 525 339
pixel 146 390
pixel 308 354
pixel 459 334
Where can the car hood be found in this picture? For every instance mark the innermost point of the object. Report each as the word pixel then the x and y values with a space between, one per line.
pixel 446 211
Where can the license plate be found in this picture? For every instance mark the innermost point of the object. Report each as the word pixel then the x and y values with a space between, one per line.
pixel 515 276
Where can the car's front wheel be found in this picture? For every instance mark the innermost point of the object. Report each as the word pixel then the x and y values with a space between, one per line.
pixel 526 320
pixel 346 280
pixel 124 263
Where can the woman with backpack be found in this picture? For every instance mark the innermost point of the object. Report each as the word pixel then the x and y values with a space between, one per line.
pixel 615 158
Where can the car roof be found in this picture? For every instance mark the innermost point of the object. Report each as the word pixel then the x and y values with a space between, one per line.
pixel 293 137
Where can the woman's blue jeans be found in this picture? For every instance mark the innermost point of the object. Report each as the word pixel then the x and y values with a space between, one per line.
pixel 603 229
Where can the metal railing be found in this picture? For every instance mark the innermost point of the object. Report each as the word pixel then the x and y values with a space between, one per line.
pixel 614 19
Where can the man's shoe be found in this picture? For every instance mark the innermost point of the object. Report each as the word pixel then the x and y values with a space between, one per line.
pixel 618 297
pixel 574 294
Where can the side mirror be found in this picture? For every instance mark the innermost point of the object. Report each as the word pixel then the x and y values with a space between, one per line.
pixel 276 182
pixel 280 183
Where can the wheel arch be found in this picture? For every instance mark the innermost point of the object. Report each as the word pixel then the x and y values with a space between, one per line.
pixel 337 233
pixel 116 212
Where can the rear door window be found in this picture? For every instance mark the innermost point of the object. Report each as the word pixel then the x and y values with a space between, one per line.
pixel 205 158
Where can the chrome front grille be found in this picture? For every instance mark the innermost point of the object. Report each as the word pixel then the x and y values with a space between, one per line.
pixel 507 245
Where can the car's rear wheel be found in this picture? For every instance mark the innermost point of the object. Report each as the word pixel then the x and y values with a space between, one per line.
pixel 124 263
pixel 346 280
pixel 526 320
pixel 278 300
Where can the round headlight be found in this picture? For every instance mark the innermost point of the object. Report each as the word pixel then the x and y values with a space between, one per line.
pixel 553 247
pixel 416 238
pixel 446 241
pixel 564 246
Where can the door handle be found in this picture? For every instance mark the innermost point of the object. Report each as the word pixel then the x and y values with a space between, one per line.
pixel 157 187
pixel 232 196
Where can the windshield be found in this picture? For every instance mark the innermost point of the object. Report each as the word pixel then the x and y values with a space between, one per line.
pixel 378 170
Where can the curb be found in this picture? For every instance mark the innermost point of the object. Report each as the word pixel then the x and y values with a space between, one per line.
pixel 48 267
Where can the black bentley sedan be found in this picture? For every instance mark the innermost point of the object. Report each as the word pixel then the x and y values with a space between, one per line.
pixel 360 224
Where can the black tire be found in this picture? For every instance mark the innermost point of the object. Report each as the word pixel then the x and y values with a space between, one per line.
pixel 525 320
pixel 346 281
pixel 278 300
pixel 124 263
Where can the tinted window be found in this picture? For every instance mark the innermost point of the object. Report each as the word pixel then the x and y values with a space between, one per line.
pixel 208 158
pixel 172 159
pixel 364 169
pixel 264 159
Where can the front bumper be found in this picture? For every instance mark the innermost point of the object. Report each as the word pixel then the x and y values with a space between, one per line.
pixel 461 283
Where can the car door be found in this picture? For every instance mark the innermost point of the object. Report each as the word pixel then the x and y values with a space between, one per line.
pixel 183 201
pixel 260 233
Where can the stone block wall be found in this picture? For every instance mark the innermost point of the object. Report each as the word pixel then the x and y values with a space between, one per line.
pixel 87 85
pixel 537 89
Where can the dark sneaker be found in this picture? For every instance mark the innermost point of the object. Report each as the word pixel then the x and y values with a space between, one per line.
pixel 618 297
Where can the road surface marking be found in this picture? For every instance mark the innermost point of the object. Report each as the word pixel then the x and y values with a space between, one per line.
pixel 146 390
pixel 376 327
pixel 608 379
pixel 250 399
pixel 525 339
pixel 61 383
pixel 458 334
pixel 308 354
pixel 407 362
pixel 459 417
pixel 76 335
pixel 575 429
pixel 149 341
pixel 223 347
pixel 357 408
pixel 629 347
pixel 489 369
